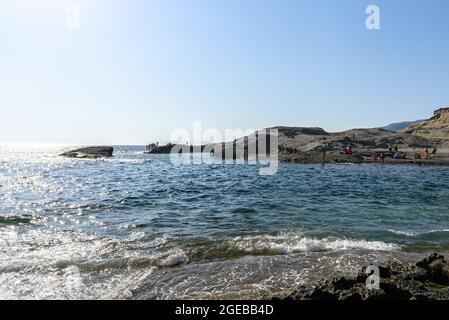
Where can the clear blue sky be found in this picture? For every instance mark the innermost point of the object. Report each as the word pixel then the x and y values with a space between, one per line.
pixel 138 69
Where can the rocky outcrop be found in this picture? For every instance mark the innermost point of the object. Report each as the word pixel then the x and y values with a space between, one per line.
pixel 436 127
pixel 440 112
pixel 293 131
pixel 427 280
pixel 176 148
pixel 89 153
pixel 306 145
pixel 437 269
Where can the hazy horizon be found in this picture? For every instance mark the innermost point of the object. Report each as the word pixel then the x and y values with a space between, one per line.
pixel 134 71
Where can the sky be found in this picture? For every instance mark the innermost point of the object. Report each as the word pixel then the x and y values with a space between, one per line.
pixel 135 70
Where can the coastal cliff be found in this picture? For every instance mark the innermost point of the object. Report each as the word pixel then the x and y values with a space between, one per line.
pixel 436 127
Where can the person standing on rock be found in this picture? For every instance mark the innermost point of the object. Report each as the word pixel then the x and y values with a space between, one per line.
pixel 434 152
pixel 323 154
pixel 426 153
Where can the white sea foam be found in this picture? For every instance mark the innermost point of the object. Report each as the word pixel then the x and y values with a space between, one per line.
pixel 403 233
pixel 287 245
pixel 74 265
pixel 174 258
pixel 441 230
pixel 415 234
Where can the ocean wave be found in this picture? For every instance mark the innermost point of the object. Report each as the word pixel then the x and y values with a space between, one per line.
pixel 76 265
pixel 417 234
pixel 71 264
pixel 403 233
pixel 174 258
pixel 305 244
pixel 14 220
pixel 438 231
pixel 156 260
pixel 64 248
pixel 282 244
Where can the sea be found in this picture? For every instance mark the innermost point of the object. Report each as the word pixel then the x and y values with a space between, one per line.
pixel 142 226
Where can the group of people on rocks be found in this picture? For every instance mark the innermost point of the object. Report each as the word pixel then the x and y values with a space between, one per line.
pixel 150 147
pixel 390 149
pixel 426 154
pixel 393 152
pixel 396 154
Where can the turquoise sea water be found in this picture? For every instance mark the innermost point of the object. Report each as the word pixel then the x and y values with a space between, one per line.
pixel 138 226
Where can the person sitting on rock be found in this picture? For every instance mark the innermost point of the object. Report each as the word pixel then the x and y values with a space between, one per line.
pixel 348 150
pixel 397 155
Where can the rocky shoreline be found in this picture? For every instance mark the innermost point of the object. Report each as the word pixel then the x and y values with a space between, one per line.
pixel 442 160
pixel 428 279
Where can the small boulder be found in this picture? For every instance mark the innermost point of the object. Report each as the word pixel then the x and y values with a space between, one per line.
pixel 427 261
pixel 89 153
pixel 343 283
pixel 439 272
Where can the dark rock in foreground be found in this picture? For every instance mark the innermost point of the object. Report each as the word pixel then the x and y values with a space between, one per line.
pixel 175 148
pixel 427 280
pixel 89 153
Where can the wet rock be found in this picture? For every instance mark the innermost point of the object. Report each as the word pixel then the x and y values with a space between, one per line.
pixel 396 291
pixel 351 294
pixel 343 283
pixel 439 272
pixel 89 153
pixel 417 274
pixel 320 294
pixel 427 261
pixel 427 280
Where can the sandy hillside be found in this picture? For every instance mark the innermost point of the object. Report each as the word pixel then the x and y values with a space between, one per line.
pixel 436 127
